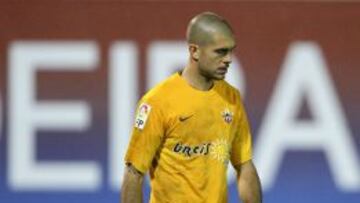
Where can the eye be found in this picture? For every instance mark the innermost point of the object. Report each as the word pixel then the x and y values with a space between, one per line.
pixel 222 51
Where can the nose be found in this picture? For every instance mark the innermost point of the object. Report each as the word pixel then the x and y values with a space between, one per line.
pixel 228 59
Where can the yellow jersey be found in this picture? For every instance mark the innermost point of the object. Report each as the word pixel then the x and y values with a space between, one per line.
pixel 186 137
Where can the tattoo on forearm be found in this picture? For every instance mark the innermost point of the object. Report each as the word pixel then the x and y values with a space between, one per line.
pixel 131 169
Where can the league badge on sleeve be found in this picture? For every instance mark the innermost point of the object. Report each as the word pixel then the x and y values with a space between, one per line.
pixel 142 115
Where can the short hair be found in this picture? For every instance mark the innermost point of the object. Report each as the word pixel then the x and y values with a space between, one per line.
pixel 201 28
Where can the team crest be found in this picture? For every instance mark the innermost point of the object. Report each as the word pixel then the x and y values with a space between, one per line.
pixel 142 115
pixel 227 115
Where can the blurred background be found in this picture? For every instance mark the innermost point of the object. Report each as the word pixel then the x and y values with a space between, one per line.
pixel 71 73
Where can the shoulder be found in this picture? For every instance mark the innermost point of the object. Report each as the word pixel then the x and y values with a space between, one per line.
pixel 229 92
pixel 158 94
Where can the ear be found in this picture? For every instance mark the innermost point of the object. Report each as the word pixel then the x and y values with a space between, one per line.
pixel 194 51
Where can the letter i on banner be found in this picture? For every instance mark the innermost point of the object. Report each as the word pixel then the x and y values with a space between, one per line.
pixel 123 83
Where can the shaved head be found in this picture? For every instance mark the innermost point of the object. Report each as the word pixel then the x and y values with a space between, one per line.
pixel 210 44
pixel 204 27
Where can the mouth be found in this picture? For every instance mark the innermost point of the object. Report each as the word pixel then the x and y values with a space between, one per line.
pixel 222 70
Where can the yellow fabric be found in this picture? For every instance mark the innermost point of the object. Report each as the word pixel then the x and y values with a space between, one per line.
pixel 187 140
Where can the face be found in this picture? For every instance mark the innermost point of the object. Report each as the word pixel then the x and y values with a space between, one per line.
pixel 215 57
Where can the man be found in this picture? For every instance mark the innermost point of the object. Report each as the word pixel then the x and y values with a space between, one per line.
pixel 191 125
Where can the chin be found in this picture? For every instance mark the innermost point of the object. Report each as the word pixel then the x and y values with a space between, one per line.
pixel 219 77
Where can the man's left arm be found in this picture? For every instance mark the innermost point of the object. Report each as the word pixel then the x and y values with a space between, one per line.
pixel 248 181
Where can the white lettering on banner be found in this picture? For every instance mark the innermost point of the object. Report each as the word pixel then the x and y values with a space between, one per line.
pixel 26 116
pixel 166 57
pixel 123 84
pixel 305 73
pixel 163 59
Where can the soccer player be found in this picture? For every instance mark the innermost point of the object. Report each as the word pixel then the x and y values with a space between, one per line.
pixel 191 125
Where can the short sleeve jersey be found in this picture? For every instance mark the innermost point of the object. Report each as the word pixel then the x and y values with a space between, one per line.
pixel 186 137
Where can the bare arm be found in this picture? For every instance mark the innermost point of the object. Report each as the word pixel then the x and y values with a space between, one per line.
pixel 249 186
pixel 131 190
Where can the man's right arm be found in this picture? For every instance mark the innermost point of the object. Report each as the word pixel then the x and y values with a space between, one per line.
pixel 131 190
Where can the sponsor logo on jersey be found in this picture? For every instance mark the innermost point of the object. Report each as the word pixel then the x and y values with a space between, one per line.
pixel 187 150
pixel 142 115
pixel 227 115
pixel 220 151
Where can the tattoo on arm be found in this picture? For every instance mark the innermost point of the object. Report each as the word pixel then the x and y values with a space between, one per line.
pixel 131 169
pixel 131 190
pixel 238 168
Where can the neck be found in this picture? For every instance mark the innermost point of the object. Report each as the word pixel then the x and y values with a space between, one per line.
pixel 193 77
